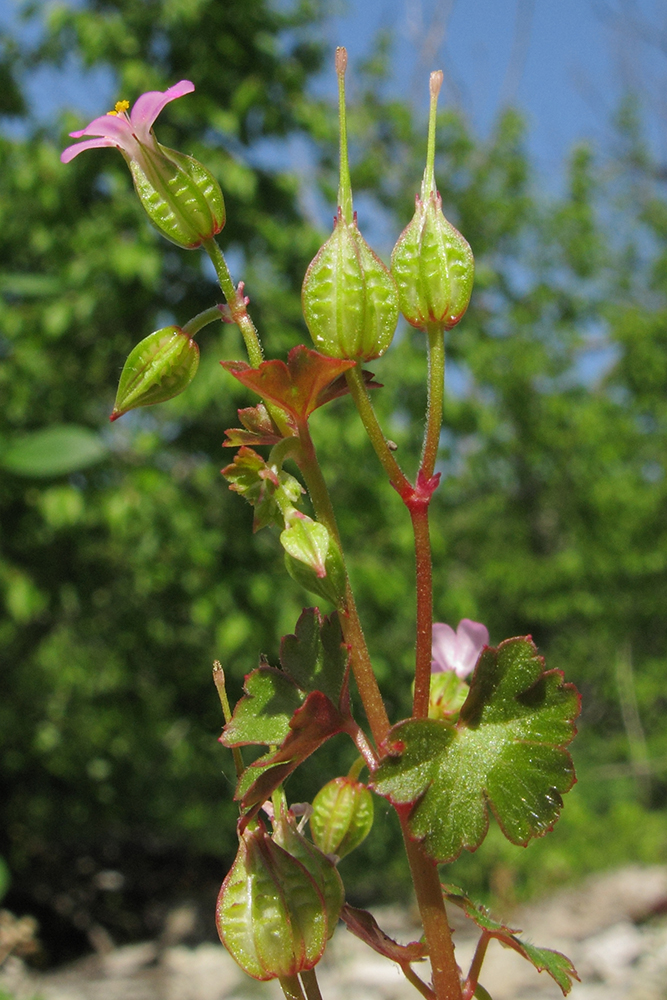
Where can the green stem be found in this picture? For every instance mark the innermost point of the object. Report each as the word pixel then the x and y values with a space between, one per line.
pixel 362 666
pixel 291 987
pixel 424 577
pixel 362 401
pixel 221 688
pixel 202 319
pixel 435 400
pixel 311 985
pixel 444 970
pixel 236 303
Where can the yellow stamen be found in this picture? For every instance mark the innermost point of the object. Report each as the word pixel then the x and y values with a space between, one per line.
pixel 120 108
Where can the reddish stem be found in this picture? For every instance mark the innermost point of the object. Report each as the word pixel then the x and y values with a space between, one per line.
pixel 476 966
pixel 419 516
pixel 444 970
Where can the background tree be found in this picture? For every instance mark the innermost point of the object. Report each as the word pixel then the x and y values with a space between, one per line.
pixel 123 572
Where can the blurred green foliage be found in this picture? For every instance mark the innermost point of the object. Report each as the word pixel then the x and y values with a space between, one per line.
pixel 124 576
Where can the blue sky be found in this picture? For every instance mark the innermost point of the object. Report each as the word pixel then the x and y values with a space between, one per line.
pixel 564 62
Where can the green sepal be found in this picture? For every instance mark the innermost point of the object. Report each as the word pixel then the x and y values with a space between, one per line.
pixel 161 366
pixel 433 267
pixel 482 994
pixel 270 914
pixel 507 750
pixel 313 559
pixel 446 695
pixel 315 655
pixel 180 196
pixel 263 714
pixel 557 965
pixel 349 298
pixel 319 867
pixel 342 816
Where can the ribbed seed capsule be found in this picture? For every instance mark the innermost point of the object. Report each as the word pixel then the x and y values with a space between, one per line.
pixel 349 297
pixel 322 870
pixel 270 915
pixel 432 263
pixel 342 816
pixel 161 366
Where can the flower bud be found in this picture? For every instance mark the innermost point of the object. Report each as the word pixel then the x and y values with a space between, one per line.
pixel 158 368
pixel 313 558
pixel 432 263
pixel 349 297
pixel 342 816
pixel 270 914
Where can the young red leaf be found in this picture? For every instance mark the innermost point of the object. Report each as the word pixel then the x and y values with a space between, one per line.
pixel 558 966
pixel 299 386
pixel 507 750
pixel 364 926
pixel 258 428
pixel 311 725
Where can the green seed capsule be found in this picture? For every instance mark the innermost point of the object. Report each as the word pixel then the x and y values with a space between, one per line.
pixel 270 914
pixel 342 816
pixel 432 263
pixel 158 368
pixel 321 869
pixel 349 298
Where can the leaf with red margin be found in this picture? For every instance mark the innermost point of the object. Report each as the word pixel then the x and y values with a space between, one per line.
pixel 364 926
pixel 299 386
pixel 263 714
pixel 506 750
pixel 258 428
pixel 557 965
pixel 310 726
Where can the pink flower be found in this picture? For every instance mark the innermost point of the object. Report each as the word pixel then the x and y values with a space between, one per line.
pixel 458 651
pixel 131 133
pixel 182 198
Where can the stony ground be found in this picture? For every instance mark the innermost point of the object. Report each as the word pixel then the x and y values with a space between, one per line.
pixel 614 928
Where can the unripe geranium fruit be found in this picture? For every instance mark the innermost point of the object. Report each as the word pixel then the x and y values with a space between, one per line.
pixel 349 297
pixel 160 366
pixel 271 915
pixel 432 263
pixel 342 816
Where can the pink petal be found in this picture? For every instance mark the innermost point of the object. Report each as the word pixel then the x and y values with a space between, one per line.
pixel 149 105
pixel 114 127
pixel 472 638
pixel 72 151
pixel 444 648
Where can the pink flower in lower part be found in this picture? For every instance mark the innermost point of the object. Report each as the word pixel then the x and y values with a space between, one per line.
pixel 182 198
pixel 458 651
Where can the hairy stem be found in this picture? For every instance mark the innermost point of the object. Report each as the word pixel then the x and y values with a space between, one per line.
pixel 236 303
pixel 362 667
pixel 436 394
pixel 202 319
pixel 418 983
pixel 444 970
pixel 359 393
pixel 424 575
pixel 476 966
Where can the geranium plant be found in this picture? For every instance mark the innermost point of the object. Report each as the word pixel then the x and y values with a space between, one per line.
pixel 490 725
